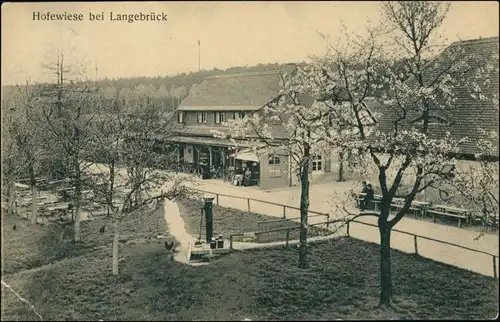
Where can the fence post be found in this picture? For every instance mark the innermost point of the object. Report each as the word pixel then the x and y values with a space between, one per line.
pixel 495 267
pixel 217 199
pixel 327 221
pixel 248 204
pixel 348 226
pixel 415 242
pixel 231 242
pixel 287 236
pixel 284 211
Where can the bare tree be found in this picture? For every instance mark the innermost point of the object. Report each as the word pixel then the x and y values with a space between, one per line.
pixel 66 104
pixel 11 169
pixel 125 180
pixel 23 141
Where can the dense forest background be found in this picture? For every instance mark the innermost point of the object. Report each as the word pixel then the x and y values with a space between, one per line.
pixel 168 91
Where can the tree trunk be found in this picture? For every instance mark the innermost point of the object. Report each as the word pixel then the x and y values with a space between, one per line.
pixel 76 236
pixel 341 167
pixel 77 200
pixel 116 235
pixel 138 178
pixel 34 204
pixel 12 198
pixel 304 208
pixel 385 265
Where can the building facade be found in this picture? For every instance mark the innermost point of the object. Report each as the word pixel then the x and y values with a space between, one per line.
pixel 220 99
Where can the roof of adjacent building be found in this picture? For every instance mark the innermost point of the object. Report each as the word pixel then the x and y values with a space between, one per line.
pixel 468 114
pixel 235 92
pixel 471 114
pixel 252 91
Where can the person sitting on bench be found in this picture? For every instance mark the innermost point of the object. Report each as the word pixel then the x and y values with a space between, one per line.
pixel 363 190
pixel 368 196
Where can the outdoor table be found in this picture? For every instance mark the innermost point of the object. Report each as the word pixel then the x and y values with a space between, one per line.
pixel 359 198
pixel 450 208
pixel 455 212
pixel 424 205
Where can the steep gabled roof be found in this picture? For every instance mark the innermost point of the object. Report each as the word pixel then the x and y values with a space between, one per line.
pixel 468 114
pixel 242 91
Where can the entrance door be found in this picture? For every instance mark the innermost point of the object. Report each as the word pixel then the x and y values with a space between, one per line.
pixel 181 154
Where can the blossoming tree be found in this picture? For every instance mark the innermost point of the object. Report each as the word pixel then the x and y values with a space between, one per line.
pixel 299 141
pixel 399 79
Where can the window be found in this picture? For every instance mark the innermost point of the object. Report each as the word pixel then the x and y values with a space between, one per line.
pixel 274 160
pixel 238 115
pixel 317 164
pixel 180 117
pixel 202 117
pixel 220 117
pixel 274 169
pixel 275 172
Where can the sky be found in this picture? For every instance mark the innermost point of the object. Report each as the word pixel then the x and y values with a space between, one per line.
pixel 230 34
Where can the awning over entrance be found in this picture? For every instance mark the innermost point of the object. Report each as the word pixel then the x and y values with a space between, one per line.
pixel 247 155
pixel 207 141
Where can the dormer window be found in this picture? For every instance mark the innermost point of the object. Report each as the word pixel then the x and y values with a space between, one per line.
pixel 180 117
pixel 220 117
pixel 202 117
pixel 239 115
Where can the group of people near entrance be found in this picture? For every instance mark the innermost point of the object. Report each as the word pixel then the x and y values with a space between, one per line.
pixel 242 176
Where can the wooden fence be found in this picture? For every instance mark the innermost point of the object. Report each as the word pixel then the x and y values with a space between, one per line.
pixel 328 222
pixel 284 207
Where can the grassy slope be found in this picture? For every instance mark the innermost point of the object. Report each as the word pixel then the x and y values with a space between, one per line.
pixel 27 246
pixel 261 284
pixel 230 221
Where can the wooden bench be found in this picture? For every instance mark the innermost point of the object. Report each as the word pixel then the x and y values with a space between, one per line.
pixel 360 196
pixel 447 214
pixel 416 206
pixel 491 221
pixel 415 210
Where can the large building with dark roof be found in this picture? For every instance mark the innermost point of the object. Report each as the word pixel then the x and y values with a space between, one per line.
pixel 224 97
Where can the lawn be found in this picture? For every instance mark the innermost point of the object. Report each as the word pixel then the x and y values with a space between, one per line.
pixel 342 283
pixel 227 221
pixel 29 246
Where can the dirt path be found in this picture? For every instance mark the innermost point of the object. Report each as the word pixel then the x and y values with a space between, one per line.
pixel 474 261
pixel 177 228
